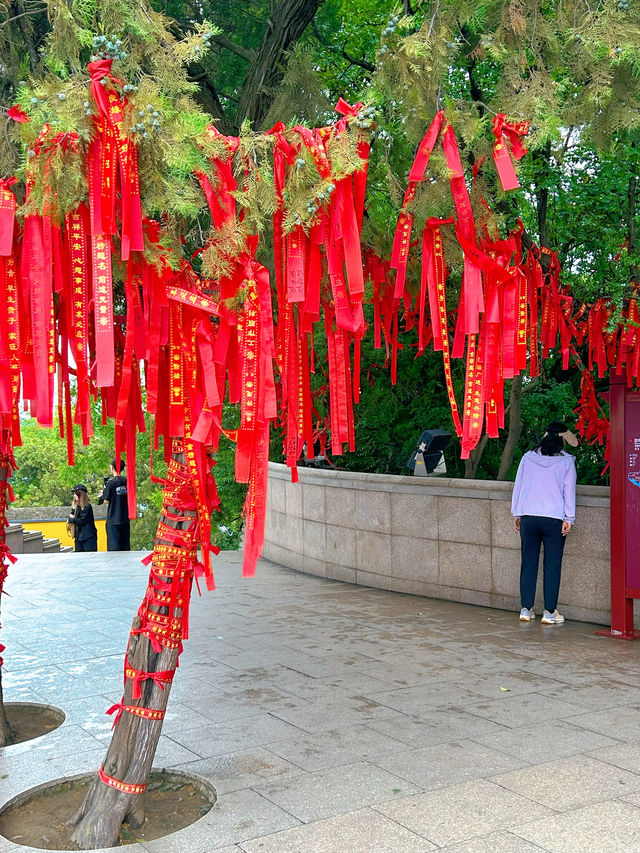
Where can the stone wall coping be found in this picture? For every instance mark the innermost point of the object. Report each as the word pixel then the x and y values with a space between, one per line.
pixel 436 486
pixel 28 514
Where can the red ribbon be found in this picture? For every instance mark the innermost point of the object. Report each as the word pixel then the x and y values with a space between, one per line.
pixel 7 215
pixel 137 675
pixel 508 138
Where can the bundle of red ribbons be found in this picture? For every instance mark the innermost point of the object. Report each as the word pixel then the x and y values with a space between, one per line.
pixel 207 341
pixel 507 309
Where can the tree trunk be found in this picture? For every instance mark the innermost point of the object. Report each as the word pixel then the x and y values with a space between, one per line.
pixel 515 428
pixel 18 13
pixel 631 220
pixel 542 158
pixel 6 734
pixel 286 24
pixel 471 464
pixel 130 754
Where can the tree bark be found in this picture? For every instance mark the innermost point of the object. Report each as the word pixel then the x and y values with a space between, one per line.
pixel 208 98
pixel 19 13
pixel 515 428
pixel 130 754
pixel 471 464
pixel 6 733
pixel 631 220
pixel 287 22
pixel 542 157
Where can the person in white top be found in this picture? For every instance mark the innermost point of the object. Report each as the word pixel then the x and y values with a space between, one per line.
pixel 544 508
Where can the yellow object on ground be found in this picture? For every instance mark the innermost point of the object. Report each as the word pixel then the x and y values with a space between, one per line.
pixel 58 530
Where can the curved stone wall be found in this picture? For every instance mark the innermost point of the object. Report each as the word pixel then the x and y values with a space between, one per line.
pixel 442 538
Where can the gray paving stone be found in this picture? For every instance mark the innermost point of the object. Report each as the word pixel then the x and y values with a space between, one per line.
pixel 603 694
pixel 322 653
pixel 334 791
pixel 181 717
pixel 437 726
pixel 76 763
pixel 625 755
pixel 234 735
pixel 234 848
pixel 634 798
pixel 240 815
pixel 66 740
pixel 516 711
pixel 606 827
pixel 172 754
pixel 542 742
pixel 511 682
pixel 322 714
pixel 620 723
pixel 336 746
pixel 484 807
pixel 570 782
pixel 356 684
pixel 358 832
pixel 237 770
pixel 423 699
pixel 448 763
pixel 22 773
pixel 496 842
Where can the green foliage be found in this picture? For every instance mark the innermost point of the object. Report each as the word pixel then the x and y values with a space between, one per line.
pixel 588 214
pixel 44 478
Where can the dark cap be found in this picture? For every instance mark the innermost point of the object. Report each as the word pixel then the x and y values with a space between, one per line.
pixel 80 488
pixel 561 429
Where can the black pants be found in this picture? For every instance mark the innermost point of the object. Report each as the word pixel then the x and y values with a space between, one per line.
pixel 537 530
pixel 118 537
pixel 90 544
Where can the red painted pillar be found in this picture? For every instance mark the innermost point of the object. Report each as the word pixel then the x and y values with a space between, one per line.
pixel 624 407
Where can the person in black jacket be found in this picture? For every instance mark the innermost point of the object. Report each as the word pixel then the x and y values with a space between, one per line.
pixel 81 515
pixel 115 495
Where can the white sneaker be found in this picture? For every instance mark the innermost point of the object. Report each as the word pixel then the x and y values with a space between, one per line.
pixel 554 618
pixel 527 614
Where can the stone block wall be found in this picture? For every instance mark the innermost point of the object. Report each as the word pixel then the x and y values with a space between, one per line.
pixel 443 538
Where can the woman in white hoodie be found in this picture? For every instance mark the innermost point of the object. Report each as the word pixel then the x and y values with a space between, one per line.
pixel 544 506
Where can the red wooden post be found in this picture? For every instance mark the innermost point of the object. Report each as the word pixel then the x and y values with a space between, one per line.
pixel 624 455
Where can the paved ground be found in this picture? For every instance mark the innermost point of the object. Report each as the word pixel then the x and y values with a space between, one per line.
pixel 338 719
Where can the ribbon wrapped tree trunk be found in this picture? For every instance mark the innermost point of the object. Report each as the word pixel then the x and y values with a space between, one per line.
pixel 5 727
pixel 155 643
pixel 7 465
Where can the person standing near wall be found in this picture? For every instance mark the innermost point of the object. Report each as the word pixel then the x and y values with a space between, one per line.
pixel 81 516
pixel 544 507
pixel 115 495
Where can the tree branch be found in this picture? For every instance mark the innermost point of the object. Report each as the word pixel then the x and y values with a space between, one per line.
pixel 23 15
pixel 362 63
pixel 208 95
pixel 226 43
